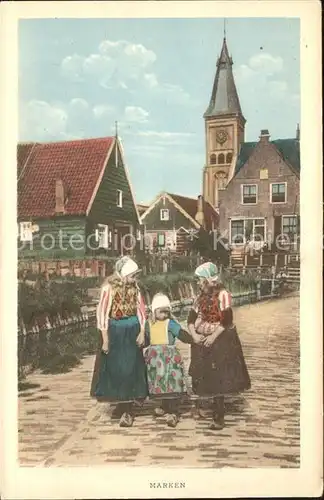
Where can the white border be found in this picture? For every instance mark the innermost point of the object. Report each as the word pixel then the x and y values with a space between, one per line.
pixel 109 482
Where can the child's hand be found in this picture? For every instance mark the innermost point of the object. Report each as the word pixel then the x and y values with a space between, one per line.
pixel 198 339
pixel 140 339
pixel 210 339
pixel 105 346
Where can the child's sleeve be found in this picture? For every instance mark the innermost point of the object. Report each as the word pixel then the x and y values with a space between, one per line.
pixel 177 331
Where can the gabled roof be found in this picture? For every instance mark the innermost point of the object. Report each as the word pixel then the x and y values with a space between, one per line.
pixel 288 149
pixel 189 207
pixel 142 208
pixel 224 98
pixel 79 164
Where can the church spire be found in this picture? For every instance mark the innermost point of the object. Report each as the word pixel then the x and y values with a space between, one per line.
pixel 224 99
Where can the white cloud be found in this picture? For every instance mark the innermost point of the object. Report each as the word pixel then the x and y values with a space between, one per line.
pixel 113 64
pixel 122 64
pixel 103 111
pixel 166 136
pixel 40 120
pixel 136 114
pixel 150 80
pixel 266 63
pixel 44 121
pixel 263 75
pixel 72 67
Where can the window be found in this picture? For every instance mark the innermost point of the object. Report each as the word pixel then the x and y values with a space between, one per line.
pixel 138 234
pixel 164 214
pixel 213 159
pixel 249 193
pixel 289 225
pixel 247 230
pixel 161 240
pixel 278 193
pixel 26 233
pixel 221 159
pixel 119 198
pixel 263 173
pixel 237 231
pixel 258 229
pixel 103 236
pixel 229 157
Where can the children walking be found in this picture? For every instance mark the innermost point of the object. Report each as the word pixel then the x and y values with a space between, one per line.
pixel 165 369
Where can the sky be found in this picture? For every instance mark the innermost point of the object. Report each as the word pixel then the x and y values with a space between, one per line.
pixel 77 77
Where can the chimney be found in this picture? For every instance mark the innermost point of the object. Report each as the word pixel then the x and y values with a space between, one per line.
pixel 200 211
pixel 59 197
pixel 264 136
pixel 298 132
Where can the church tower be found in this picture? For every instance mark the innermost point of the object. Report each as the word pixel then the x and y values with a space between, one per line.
pixel 224 129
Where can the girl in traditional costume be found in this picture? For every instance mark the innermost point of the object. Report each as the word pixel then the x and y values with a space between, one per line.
pixel 119 373
pixel 165 369
pixel 217 362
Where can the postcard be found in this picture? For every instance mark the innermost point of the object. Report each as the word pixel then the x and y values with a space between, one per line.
pixel 161 284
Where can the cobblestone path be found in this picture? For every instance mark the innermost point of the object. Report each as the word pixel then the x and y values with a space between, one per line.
pixel 60 425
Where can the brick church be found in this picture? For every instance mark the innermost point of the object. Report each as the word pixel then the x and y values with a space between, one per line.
pixel 254 186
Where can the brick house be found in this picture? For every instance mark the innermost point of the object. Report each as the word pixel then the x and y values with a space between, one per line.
pixel 261 201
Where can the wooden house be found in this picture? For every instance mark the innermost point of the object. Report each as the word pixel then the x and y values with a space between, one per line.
pixel 75 200
pixel 172 222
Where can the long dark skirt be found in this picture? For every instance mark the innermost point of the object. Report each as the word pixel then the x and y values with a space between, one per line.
pixel 221 368
pixel 120 375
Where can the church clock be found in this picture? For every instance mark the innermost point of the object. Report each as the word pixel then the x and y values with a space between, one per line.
pixel 221 136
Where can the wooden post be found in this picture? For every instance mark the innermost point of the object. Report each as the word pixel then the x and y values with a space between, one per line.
pixel 245 260
pixel 286 259
pixel 261 259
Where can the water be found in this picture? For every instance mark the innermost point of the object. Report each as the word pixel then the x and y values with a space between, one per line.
pixel 60 350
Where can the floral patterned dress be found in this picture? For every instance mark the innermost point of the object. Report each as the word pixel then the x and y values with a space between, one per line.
pixel 165 368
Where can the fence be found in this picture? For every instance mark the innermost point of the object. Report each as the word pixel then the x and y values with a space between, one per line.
pixel 265 259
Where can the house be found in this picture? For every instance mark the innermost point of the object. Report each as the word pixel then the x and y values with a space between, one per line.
pixel 142 207
pixel 75 200
pixel 261 201
pixel 172 222
pixel 253 185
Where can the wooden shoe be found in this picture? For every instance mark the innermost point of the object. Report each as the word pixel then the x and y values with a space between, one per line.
pixel 126 420
pixel 172 420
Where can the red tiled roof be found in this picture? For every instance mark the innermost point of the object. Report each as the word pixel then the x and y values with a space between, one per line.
pixel 23 152
pixel 77 163
pixel 190 205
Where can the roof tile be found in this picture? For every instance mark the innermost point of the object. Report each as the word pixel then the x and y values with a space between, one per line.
pixel 77 163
